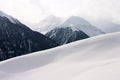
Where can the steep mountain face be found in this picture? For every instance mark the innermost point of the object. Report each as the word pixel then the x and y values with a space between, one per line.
pixel 73 29
pixel 47 24
pixel 17 39
pixel 66 35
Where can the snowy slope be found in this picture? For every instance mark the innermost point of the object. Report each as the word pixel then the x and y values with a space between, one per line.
pixel 47 24
pixel 96 58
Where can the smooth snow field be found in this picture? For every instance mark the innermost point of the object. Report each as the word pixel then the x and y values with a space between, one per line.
pixel 96 58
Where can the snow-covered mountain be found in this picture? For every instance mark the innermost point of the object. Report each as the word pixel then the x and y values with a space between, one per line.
pixel 47 24
pixel 74 28
pixel 96 58
pixel 17 39
pixel 78 23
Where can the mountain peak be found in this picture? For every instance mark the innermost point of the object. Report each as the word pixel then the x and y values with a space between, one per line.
pixel 77 23
pixel 77 20
pixel 75 17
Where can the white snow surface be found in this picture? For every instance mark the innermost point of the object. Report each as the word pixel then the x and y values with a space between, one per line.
pixel 10 18
pixel 96 58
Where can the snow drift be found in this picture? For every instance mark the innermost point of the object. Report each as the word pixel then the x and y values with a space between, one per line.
pixel 96 58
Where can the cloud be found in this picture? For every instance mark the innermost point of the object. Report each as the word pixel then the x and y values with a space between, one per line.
pixel 101 10
pixel 40 6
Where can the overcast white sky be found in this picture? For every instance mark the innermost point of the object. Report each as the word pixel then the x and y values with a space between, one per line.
pixel 32 11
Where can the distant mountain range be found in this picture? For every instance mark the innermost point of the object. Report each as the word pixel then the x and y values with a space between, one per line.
pixel 17 39
pixel 73 29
